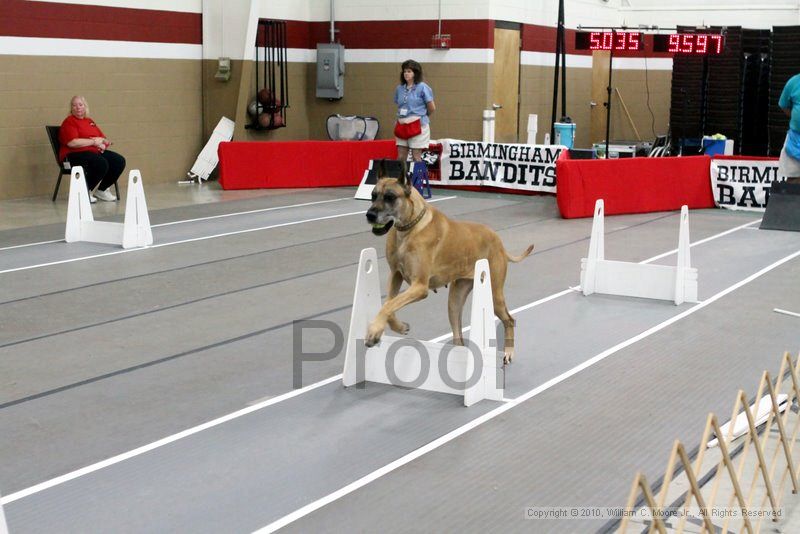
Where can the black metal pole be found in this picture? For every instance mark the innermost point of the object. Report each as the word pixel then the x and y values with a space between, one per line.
pixel 562 35
pixel 608 89
pixel 557 69
pixel 258 106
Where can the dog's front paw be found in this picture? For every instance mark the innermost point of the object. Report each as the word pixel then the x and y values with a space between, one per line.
pixel 508 355
pixel 374 333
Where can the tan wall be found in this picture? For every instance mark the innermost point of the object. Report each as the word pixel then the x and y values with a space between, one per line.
pixel 460 91
pixel 536 88
pixel 632 87
pixel 149 108
pixel 159 116
pixel 219 98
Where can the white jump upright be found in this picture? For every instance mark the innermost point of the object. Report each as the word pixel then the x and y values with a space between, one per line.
pixel 599 275
pixel 81 226
pixel 368 181
pixel 208 158
pixel 473 371
pixel 3 524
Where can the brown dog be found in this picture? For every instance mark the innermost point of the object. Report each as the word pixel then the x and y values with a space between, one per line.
pixel 428 251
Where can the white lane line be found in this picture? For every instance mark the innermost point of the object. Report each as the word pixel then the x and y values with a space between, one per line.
pixel 194 430
pixel 450 436
pixel 160 443
pixel 786 312
pixel 200 219
pixel 726 232
pixel 578 289
pixel 191 240
pixel 235 214
pixel 32 244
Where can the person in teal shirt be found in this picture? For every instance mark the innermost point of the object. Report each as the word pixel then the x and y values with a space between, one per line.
pixel 789 163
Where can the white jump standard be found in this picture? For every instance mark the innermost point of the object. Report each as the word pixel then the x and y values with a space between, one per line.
pixel 599 275
pixel 3 525
pixel 81 226
pixel 474 371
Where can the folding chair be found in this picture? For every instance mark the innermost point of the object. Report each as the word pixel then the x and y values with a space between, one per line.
pixel 63 166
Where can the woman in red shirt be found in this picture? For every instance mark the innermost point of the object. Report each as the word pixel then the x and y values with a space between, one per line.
pixel 84 144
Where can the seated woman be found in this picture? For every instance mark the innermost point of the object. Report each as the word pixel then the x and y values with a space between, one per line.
pixel 84 144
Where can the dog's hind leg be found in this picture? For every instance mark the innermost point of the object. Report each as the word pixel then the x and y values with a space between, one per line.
pixel 459 291
pixel 501 311
pixel 395 281
pixel 499 270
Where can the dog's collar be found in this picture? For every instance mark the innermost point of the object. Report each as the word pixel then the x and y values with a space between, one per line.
pixel 409 226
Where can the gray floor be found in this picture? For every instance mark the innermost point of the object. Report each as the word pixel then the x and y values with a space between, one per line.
pixel 104 351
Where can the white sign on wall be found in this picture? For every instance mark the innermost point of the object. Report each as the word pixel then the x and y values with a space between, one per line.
pixel 743 184
pixel 509 166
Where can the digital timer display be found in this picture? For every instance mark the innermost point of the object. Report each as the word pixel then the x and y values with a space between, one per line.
pixel 608 40
pixel 689 43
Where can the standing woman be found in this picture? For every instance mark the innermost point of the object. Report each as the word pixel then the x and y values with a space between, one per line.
pixel 84 143
pixel 414 99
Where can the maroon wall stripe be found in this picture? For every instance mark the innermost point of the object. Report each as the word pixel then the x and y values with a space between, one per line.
pixel 19 18
pixel 543 39
pixel 384 34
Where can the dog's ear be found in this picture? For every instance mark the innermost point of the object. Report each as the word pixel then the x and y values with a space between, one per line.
pixel 403 173
pixel 381 163
pixel 405 178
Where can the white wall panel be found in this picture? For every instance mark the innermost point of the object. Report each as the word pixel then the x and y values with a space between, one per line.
pixel 760 14
pixel 187 6
pixel 757 15
pixel 226 28
pixel 319 10
pixel 225 24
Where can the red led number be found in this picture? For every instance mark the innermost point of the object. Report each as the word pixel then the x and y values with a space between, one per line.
pixel 695 43
pixel 617 40
pixel 674 42
pixel 718 43
pixel 687 43
pixel 701 44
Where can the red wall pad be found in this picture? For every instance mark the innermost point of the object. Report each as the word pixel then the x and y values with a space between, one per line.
pixel 632 185
pixel 274 164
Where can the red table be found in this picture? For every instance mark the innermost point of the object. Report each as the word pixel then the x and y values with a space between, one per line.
pixel 274 164
pixel 632 185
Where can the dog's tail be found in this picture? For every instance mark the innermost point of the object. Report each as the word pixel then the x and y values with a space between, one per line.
pixel 517 259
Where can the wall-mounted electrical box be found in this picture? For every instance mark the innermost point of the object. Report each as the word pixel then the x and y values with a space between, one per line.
pixel 330 71
pixel 223 69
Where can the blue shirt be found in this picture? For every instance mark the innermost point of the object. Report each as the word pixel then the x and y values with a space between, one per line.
pixel 414 100
pixel 790 99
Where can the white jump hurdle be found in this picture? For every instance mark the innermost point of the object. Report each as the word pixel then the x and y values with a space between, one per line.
pixel 420 364
pixel 81 226
pixel 599 275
